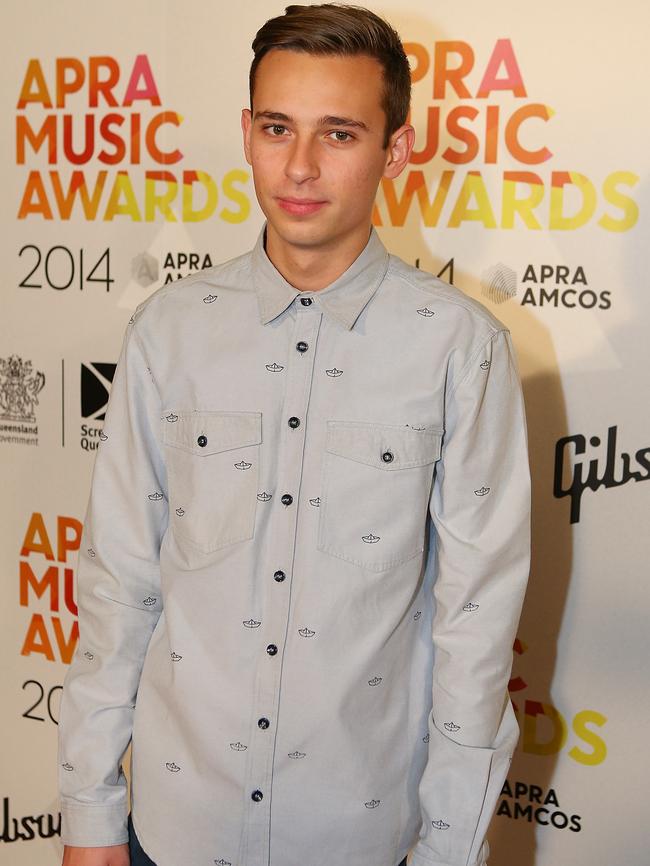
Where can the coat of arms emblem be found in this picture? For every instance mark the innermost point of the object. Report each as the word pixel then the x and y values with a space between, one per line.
pixel 19 389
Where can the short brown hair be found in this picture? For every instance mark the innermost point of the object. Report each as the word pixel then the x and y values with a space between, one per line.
pixel 344 30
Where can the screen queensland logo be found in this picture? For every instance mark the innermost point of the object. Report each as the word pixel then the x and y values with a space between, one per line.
pixel 484 140
pixel 95 381
pixel 96 142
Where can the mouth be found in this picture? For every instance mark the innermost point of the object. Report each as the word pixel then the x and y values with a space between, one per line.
pixel 300 206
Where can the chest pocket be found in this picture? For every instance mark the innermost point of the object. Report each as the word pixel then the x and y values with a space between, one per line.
pixel 213 473
pixel 376 483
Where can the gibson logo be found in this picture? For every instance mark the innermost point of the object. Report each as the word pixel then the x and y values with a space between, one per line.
pixel 28 827
pixel 592 475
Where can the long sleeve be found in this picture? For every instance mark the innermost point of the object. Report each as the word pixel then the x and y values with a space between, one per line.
pixel 119 603
pixel 480 507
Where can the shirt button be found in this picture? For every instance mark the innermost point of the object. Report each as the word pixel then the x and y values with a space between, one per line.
pixel 202 441
pixel 271 649
pixel 294 422
pixel 287 499
pixel 279 576
pixel 302 346
pixel 257 796
pixel 263 723
pixel 387 456
pixel 305 301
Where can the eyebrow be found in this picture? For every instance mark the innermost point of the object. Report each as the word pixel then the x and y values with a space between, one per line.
pixel 327 120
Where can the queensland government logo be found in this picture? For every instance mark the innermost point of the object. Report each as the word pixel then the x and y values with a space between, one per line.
pixel 544 285
pixel 20 386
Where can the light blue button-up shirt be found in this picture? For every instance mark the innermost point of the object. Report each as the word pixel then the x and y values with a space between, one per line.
pixel 302 567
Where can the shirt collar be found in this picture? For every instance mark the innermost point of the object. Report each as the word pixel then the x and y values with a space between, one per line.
pixel 344 299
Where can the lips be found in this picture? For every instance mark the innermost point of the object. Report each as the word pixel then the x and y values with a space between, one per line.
pixel 300 206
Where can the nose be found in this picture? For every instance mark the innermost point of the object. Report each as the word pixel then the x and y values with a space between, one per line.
pixel 302 162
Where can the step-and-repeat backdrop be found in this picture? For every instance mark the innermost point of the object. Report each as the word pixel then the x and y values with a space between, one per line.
pixel 122 169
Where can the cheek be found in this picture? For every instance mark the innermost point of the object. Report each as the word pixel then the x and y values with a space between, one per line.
pixel 265 167
pixel 362 177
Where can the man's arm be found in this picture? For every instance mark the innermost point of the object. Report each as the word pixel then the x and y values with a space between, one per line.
pixel 118 597
pixel 480 507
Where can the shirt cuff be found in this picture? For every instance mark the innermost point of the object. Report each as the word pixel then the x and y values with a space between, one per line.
pixel 93 826
pixel 419 857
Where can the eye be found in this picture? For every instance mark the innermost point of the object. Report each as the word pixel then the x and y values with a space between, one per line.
pixel 341 135
pixel 276 129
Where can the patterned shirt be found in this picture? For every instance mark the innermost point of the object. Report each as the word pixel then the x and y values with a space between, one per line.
pixel 302 567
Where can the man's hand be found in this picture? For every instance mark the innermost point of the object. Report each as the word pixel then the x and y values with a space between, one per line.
pixel 113 855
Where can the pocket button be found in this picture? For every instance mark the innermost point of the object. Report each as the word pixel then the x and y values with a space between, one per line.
pixel 387 457
pixel 202 441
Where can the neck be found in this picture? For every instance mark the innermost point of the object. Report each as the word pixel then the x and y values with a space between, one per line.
pixel 308 269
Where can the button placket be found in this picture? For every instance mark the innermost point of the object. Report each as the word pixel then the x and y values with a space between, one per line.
pixel 299 370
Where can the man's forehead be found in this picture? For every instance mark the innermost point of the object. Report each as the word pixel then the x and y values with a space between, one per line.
pixel 357 72
pixel 314 87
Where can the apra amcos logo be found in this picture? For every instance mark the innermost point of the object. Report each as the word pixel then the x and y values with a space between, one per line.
pixel 545 730
pixel 478 114
pixel 544 285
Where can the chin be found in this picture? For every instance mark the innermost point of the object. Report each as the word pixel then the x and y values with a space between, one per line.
pixel 302 233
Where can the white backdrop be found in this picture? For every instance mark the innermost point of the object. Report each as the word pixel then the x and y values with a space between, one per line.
pixel 529 191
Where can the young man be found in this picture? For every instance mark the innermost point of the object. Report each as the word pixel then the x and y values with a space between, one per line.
pixel 307 540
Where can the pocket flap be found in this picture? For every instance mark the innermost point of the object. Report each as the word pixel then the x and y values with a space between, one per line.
pixel 204 433
pixel 385 446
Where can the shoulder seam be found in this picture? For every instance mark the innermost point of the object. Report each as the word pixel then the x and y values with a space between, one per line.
pixel 458 301
pixel 468 365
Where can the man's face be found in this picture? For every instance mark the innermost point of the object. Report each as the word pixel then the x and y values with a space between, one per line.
pixel 314 140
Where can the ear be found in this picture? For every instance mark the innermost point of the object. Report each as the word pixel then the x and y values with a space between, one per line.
pixel 246 128
pixel 399 150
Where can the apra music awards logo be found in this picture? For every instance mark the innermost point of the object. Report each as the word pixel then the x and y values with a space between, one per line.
pixel 545 731
pixel 46 587
pixel 107 125
pixel 472 111
pixel 20 386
